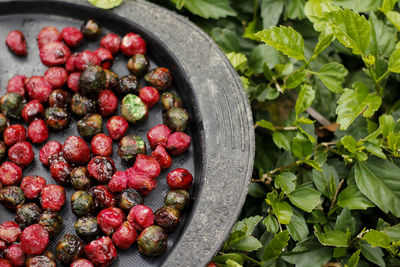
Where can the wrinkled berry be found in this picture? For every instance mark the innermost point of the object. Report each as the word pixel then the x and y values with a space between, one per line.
pixel 56 76
pixel 91 29
pixel 38 88
pixel 56 118
pixel 11 105
pixel 85 59
pixel 16 43
pixel 69 248
pixel 132 44
pixel 101 145
pixel 117 127
pixel 87 228
pixel 76 150
pixel 21 154
pixel 13 134
pixel 81 203
pixel 10 232
pixel 27 214
pixel 129 198
pixel 73 81
pixel 108 103
pixel 72 36
pixel 38 132
pixel 80 179
pixel 60 171
pixel 32 110
pixel 158 135
pixel 130 146
pixel 159 78
pixel 101 251
pixel 138 65
pixel 152 241
pixel 52 197
pixel 179 179
pixel 111 42
pixel 140 182
pixel 168 218
pixel 82 105
pixel 105 57
pixel 178 143
pixel 47 35
pixel 10 174
pixel 149 96
pixel 101 169
pixel 162 157
pixel 51 221
pixel 54 54
pixel 34 239
pixel 70 64
pixel 32 186
pixel 147 165
pixel 16 85
pixel 124 236
pixel 48 150
pixel 118 182
pixel 15 255
pixel 141 217
pixel 110 219
pixel 82 263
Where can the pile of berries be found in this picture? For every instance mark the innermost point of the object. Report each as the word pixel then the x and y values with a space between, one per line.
pixel 108 203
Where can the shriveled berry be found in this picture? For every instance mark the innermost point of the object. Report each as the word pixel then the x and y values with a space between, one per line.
pixel 80 178
pixel 81 203
pixel 72 36
pixel 111 42
pixel 152 241
pixel 73 81
pixel 21 154
pixel 91 29
pixel 111 79
pixel 13 134
pixel 11 105
pixel 54 54
pixel 162 157
pixel 3 123
pixel 69 248
pixel 82 105
pixel 38 132
pixel 140 182
pixel 101 169
pixel 105 57
pixel 149 96
pixel 15 255
pixel 178 143
pixel 118 182
pixel 158 135
pixel 101 145
pixel 127 84
pixel 5 263
pixel 32 186
pixel 85 59
pixel 138 65
pixel 51 221
pixel 76 150
pixel 159 78
pixel 56 76
pixel 103 197
pixel 90 125
pixel 176 119
pixel 179 179
pixel 40 261
pixel 3 150
pixel 132 44
pixel 124 236
pixel 47 35
pixel 130 146
pixel 147 165
pixel 82 263
pixel 16 85
pixel 170 100
pixel 101 251
pixel 70 64
pixel 92 80
pixel 53 197
pixel 108 103
pixel 10 232
pixel 16 43
pixel 141 217
pixel 10 173
pixel 60 171
pixel 27 214
pixel 129 198
pixel 110 219
pixel 34 239
pixel 32 110
pixel 178 199
pixel 48 150
pixel 133 109
pixel 38 88
pixel 56 118
pixel 59 98
pixel 117 127
pixel 87 228
pixel 168 218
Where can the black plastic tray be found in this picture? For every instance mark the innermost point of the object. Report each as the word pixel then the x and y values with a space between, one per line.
pixel 221 155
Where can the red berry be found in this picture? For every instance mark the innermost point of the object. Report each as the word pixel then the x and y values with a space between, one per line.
pixel 56 76
pixel 105 56
pixel 118 182
pixel 161 155
pixel 101 169
pixel 33 110
pixel 16 43
pixel 108 103
pixel 103 197
pixel 72 36
pixel 73 81
pixel 54 54
pixel 140 217
pixel 16 85
pixel 48 150
pixel 70 64
pixel 15 255
pixel 124 236
pixel 13 134
pixel 102 145
pixel 179 179
pixel 149 95
pixel 52 197
pixel 158 135
pixel 9 232
pixel 10 174
pixel 101 251
pixel 60 171
pixel 34 239
pixel 111 42
pixel 133 44
pixel 32 186
pixel 38 88
pixel 21 153
pixel 117 127
pixel 38 132
pixel 86 58
pixel 110 219
pixel 140 182
pixel 178 143
pixel 5 263
pixel 76 150
pixel 147 165
pixel 82 263
pixel 47 35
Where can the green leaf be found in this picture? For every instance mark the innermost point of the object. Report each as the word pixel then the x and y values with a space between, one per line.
pixel 267 92
pixel 332 238
pixel 393 232
pixel 387 123
pixel 306 254
pixel 298 227
pixel 388 5
pixel 257 190
pixel 352 103
pixel 209 8
pixel 333 75
pixel 266 124
pixel 305 198
pixel 352 198
pixel 374 150
pixel 238 60
pixel 231 263
pixel 316 9
pixel 353 261
pixel 324 40
pixel 286 181
pixel 378 180
pixel 394 61
pixel 275 247
pixel 221 259
pixel 377 239
pixel 271 224
pixel 180 3
pixel 283 211
pixel 281 140
pixel 267 72
pixel 314 164
pixel 284 39
pixel 323 180
pixel 251 223
pixel 350 28
pixel 271 11
pixel 226 39
pixel 394 18
pixel 262 55
pixel 295 79
pixel 246 243
pixel 305 99
pixel 349 143
pixel 105 4
pixel 359 5
pixel 301 146
pixel 345 222
pixel 295 9
pixel 382 37
pixel 373 254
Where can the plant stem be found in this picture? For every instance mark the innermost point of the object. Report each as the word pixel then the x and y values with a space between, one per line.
pixel 383 76
pixel 255 9
pixel 374 79
pixel 336 194
pixel 267 177
pixel 250 259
